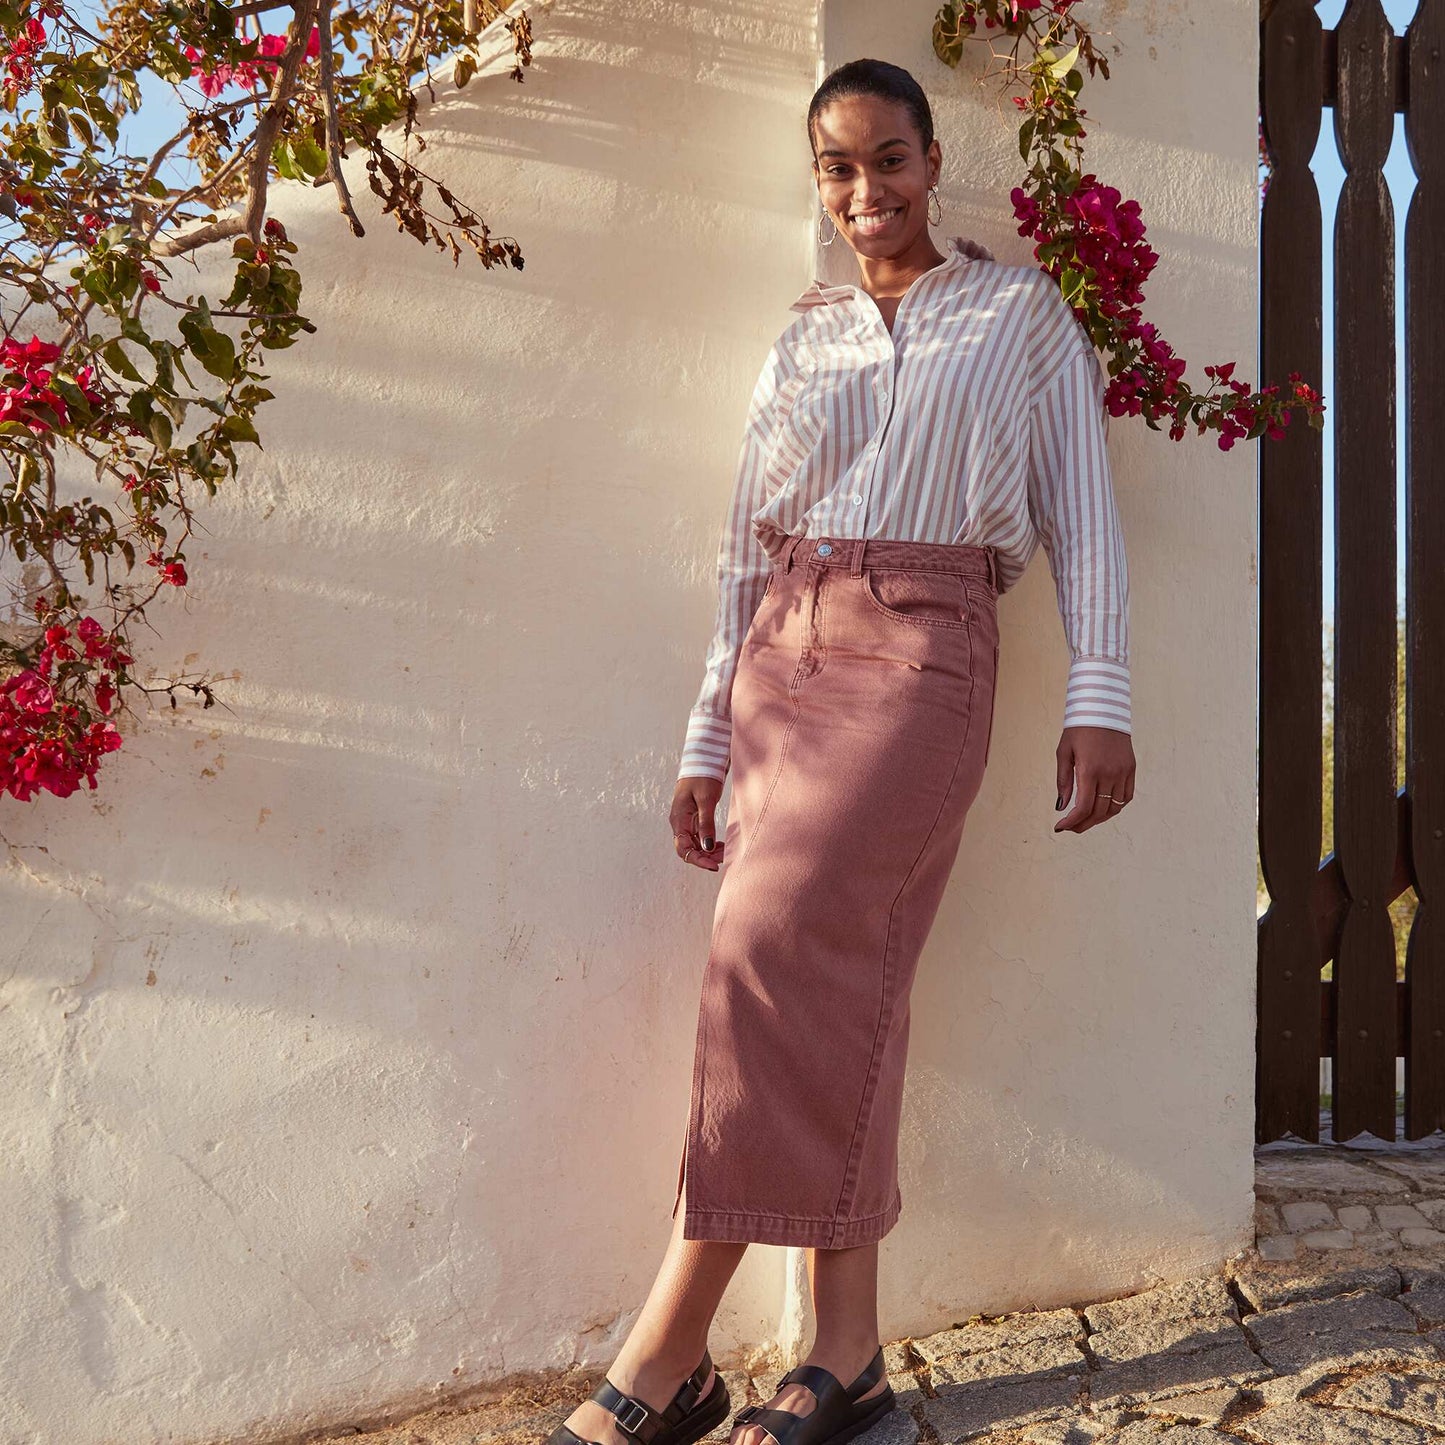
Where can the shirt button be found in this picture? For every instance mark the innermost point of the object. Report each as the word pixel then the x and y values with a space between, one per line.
pixel 857 497
pixel 824 548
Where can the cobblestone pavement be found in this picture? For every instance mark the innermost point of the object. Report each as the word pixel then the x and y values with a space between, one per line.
pixel 1331 1330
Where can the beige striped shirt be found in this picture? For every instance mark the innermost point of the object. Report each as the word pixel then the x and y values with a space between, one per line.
pixel 980 420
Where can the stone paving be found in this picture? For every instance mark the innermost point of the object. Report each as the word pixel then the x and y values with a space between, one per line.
pixel 1332 1329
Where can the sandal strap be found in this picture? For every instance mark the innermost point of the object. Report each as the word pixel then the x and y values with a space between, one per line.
pixel 821 1381
pixel 564 1435
pixel 782 1425
pixel 639 1420
pixel 785 1426
pixel 634 1417
pixel 825 1385
pixel 689 1392
pixel 834 1403
pixel 875 1370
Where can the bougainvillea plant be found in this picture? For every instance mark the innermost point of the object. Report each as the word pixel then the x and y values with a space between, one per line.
pixel 115 379
pixel 1091 239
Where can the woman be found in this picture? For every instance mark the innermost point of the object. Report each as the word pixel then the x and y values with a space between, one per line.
pixel 910 443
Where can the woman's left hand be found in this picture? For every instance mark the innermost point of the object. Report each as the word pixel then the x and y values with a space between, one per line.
pixel 1093 762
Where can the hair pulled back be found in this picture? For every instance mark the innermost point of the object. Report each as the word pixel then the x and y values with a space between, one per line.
pixel 873 77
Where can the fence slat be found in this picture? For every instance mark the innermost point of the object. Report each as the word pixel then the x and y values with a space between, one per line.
pixel 1290 588
pixel 1425 570
pixel 1365 577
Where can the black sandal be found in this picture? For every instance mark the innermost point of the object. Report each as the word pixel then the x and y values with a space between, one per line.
pixel 687 1418
pixel 839 1414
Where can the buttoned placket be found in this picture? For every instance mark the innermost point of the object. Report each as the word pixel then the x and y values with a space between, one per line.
pixel 886 386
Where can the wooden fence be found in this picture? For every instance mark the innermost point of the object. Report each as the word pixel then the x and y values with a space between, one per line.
pixel 1386 841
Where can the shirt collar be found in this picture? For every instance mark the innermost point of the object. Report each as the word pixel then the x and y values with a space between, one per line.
pixel 820 294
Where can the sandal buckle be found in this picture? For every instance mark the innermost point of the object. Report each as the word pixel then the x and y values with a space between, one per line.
pixel 630 1413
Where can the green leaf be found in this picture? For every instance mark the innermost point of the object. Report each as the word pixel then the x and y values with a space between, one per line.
pixel 119 362
pixel 1064 64
pixel 218 355
pixel 165 371
pixel 95 287
pixel 173 406
pixel 310 158
pixel 1071 284
pixel 285 165
pixel 1026 136
pixel 29 473
pixel 238 428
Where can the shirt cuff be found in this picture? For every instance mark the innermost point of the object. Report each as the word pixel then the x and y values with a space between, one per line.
pixel 707 748
pixel 1098 694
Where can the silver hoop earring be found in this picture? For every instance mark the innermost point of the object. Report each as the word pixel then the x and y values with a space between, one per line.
pixel 933 196
pixel 824 212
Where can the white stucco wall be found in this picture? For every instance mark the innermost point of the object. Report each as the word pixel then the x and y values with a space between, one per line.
pixel 346 1030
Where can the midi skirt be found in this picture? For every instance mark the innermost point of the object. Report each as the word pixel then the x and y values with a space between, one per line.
pixel 862 710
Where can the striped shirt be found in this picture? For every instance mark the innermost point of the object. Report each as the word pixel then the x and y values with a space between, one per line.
pixel 980 419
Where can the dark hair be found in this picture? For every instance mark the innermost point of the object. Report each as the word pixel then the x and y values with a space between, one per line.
pixel 873 77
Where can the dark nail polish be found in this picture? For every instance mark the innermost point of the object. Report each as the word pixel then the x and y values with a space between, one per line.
pixel 707 844
pixel 1060 803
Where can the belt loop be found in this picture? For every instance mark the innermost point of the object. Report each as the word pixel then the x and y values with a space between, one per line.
pixel 855 564
pixel 789 547
pixel 992 567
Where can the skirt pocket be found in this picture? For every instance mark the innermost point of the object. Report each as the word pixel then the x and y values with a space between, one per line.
pixel 923 599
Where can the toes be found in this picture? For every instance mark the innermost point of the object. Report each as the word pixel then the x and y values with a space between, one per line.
pixel 796 1399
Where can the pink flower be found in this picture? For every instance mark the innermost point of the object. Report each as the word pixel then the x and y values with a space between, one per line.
pixel 25 356
pixel 212 78
pixel 32 692
pixel 173 571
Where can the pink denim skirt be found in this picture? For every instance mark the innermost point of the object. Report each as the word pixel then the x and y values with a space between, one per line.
pixel 862 709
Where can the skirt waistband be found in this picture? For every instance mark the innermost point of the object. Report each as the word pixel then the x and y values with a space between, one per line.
pixel 855 553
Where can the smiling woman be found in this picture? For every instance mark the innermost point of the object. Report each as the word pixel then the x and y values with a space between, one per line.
pixel 911 440
pixel 874 176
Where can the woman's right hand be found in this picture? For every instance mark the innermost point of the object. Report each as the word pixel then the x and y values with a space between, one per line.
pixel 694 802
